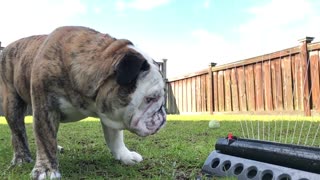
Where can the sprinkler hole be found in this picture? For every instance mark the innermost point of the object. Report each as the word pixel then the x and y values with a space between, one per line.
pixel 284 177
pixel 215 162
pixel 252 172
pixel 226 166
pixel 267 175
pixel 238 169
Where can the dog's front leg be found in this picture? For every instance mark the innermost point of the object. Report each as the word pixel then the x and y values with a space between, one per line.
pixel 114 140
pixel 46 123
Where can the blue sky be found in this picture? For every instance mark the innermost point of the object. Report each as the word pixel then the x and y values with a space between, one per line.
pixel 189 33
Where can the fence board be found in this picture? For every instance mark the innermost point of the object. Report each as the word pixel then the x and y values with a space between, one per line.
pixel 175 96
pixel 273 82
pixel 267 85
pixel 242 89
pixel 198 92
pixel 170 98
pixel 176 93
pixel 227 89
pixel 178 89
pixel 210 90
pixel 175 99
pixel 203 92
pixel 287 83
pixel 208 96
pixel 194 96
pixel 215 92
pixel 277 84
pixel 258 87
pixel 298 82
pixel 184 96
pixel 189 94
pixel 250 88
pixel 314 70
pixel 221 91
pixel 234 90
pixel 180 96
pixel 294 81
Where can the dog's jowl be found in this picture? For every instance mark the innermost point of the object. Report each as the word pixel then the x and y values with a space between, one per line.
pixel 73 73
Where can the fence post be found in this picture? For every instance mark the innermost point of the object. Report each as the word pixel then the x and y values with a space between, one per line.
pixel 1 47
pixel 305 65
pixel 164 73
pixel 164 68
pixel 210 88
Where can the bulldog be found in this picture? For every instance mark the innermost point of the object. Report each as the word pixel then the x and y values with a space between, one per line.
pixel 71 74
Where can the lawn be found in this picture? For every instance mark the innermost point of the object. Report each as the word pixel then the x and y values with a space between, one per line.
pixel 178 151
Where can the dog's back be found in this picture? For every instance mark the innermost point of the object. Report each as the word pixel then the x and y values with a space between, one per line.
pixel 15 65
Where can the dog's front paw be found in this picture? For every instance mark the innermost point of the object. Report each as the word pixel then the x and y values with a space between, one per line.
pixel 42 174
pixel 128 157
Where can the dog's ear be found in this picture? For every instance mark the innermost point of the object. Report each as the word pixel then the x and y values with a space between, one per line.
pixel 129 68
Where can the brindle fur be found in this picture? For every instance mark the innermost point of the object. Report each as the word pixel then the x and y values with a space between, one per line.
pixel 76 63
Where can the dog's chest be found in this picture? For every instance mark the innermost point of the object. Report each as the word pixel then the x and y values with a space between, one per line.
pixel 72 113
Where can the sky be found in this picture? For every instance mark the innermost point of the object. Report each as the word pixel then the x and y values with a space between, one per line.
pixel 189 33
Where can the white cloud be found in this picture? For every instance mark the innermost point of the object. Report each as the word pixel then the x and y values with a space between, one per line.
pixel 206 4
pixel 273 26
pixel 212 46
pixel 140 4
pixel 278 24
pixel 97 10
pixel 25 18
pixel 193 54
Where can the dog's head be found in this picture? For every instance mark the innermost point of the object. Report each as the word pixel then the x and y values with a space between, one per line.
pixel 134 97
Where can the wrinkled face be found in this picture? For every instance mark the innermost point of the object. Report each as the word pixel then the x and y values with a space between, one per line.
pixel 147 105
pixel 136 101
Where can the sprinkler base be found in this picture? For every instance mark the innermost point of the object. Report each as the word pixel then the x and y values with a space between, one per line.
pixel 222 165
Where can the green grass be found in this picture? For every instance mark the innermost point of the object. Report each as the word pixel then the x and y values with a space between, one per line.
pixel 178 151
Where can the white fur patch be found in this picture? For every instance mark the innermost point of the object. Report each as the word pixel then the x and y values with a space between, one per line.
pixel 129 157
pixel 114 139
pixel 147 117
pixel 53 175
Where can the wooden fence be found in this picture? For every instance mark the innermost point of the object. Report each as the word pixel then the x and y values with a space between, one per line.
pixel 283 82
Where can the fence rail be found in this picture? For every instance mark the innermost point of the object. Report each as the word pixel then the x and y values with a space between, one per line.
pixel 284 82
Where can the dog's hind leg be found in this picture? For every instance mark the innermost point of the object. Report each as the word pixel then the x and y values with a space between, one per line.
pixel 14 109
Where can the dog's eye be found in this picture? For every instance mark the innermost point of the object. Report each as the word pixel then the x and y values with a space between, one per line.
pixel 150 99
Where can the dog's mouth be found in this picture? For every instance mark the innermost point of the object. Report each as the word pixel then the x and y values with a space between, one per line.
pixel 147 125
pixel 158 120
